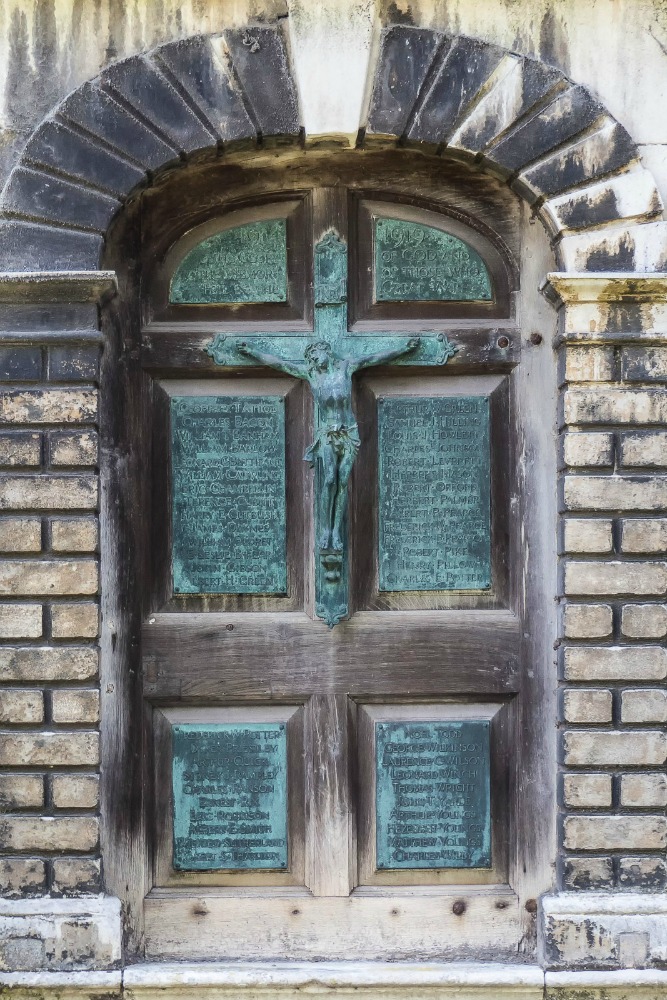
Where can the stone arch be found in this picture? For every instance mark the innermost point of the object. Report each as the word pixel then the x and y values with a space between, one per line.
pixel 550 139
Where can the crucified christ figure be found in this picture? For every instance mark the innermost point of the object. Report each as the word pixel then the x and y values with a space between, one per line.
pixel 337 439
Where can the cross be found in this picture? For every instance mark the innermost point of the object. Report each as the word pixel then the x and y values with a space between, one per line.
pixel 327 359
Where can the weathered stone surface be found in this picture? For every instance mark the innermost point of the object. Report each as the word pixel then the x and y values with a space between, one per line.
pixel 21 791
pixel 48 406
pixel 68 934
pixel 20 621
pixel 46 749
pixel 587 791
pixel 588 873
pixel 57 146
pixel 21 707
pixel 76 876
pixel 202 73
pixel 615 406
pixel 19 577
pixel 644 705
pixel 613 833
pixel 644 791
pixel 587 705
pixel 74 534
pixel 631 194
pixel 644 364
pixel 589 363
pixel 45 833
pixel 75 791
pixel 20 534
pixel 48 492
pixel 587 621
pixel 615 493
pixel 22 877
pixel 70 705
pixel 641 248
pixel 100 114
pixel 648 874
pixel 642 448
pixel 615 663
pixel 20 448
pixel 20 364
pixel 139 81
pixel 73 448
pixel 37 194
pixel 48 663
pixel 74 364
pixel 591 748
pixel 644 621
pixel 406 53
pixel 70 621
pixel 463 70
pixel 641 534
pixel 29 246
pixel 606 578
pixel 270 89
pixel 587 535
pixel 583 449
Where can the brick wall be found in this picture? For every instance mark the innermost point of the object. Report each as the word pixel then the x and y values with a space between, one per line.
pixel 614 622
pixel 49 579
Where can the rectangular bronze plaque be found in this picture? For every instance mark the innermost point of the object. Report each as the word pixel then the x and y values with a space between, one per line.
pixel 228 494
pixel 432 795
pixel 230 795
pixel 434 510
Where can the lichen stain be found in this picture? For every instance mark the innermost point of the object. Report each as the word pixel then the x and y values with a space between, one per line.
pixel 20 77
pixel 554 47
pixel 589 209
pixel 399 14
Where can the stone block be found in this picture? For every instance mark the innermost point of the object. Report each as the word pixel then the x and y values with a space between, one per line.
pixel 20 448
pixel 29 246
pixel 609 405
pixel 73 448
pixel 644 791
pixel 615 833
pixel 643 448
pixel 33 193
pixel 644 705
pixel 63 492
pixel 74 621
pixel 22 877
pixel 631 194
pixel 644 364
pixel 595 748
pixel 639 248
pixel 405 56
pixel 47 833
pixel 610 578
pixel 75 791
pixel 587 705
pixel 20 364
pixel 76 876
pixel 21 791
pixel 270 91
pixel 73 934
pixel 74 364
pixel 615 663
pixel 20 534
pixel 21 707
pixel 48 663
pixel 70 705
pixel 588 873
pixel 585 448
pixel 48 406
pixel 20 621
pixel 74 534
pixel 587 791
pixel 587 535
pixel 49 749
pixel 601 493
pixel 32 578
pixel 644 534
pixel 586 363
pixel 587 621
pixel 644 621
pixel 648 874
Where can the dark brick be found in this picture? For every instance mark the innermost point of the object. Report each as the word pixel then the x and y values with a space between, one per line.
pixel 406 55
pixel 97 112
pixel 194 65
pixel 139 82
pixel 644 873
pixel 466 66
pixel 55 145
pixel 567 115
pixel 571 166
pixel 54 319
pixel 33 193
pixel 20 364
pixel 27 246
pixel 72 364
pixel 588 873
pixel 643 364
pixel 260 62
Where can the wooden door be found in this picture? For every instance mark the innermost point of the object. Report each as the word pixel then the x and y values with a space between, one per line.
pixel 366 790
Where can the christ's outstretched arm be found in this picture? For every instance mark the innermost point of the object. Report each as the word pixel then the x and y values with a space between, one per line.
pixel 296 368
pixel 384 356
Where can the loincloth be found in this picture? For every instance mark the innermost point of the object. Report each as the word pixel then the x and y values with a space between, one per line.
pixel 343 439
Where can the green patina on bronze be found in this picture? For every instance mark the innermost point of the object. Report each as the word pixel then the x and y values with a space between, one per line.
pixel 419 263
pixel 433 795
pixel 229 785
pixel 434 493
pixel 327 360
pixel 245 264
pixel 228 494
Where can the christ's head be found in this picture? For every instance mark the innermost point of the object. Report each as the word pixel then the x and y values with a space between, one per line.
pixel 319 357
